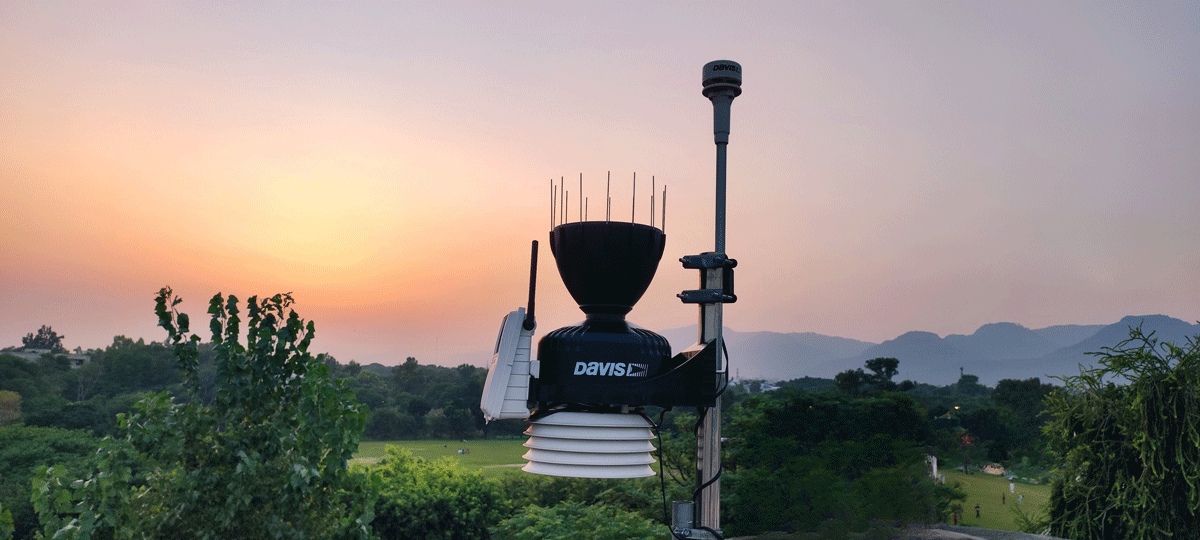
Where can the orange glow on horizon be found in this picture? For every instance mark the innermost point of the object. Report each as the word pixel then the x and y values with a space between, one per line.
pixel 890 170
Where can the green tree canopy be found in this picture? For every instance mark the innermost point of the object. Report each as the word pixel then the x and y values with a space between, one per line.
pixel 1022 406
pixel 1128 444
pixel 267 458
pixel 851 381
pixel 23 450
pixel 10 407
pixel 797 460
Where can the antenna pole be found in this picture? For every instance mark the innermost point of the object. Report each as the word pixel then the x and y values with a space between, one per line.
pixel 633 213
pixel 530 323
pixel 664 212
pixel 722 82
pixel 608 198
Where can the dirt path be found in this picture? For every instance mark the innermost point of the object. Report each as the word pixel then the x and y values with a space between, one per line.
pixel 968 533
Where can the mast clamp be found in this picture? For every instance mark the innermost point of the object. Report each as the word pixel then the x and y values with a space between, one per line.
pixel 706 262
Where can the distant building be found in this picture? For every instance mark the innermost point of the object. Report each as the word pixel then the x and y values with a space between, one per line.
pixel 994 468
pixel 78 358
pixel 755 385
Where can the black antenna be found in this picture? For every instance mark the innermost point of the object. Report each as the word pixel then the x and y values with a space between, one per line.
pixel 529 323
pixel 608 198
pixel 633 215
pixel 664 213
pixel 581 197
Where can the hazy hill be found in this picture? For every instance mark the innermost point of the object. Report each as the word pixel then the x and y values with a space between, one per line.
pixel 993 352
pixel 774 355
pixel 1164 328
pixel 1065 335
pixel 924 357
pixel 1003 341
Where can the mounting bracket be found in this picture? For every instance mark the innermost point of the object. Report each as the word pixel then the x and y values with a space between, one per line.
pixel 706 263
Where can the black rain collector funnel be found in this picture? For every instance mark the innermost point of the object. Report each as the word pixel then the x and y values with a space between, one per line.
pixel 607 266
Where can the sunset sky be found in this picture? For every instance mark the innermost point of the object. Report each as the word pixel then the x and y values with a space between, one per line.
pixel 893 166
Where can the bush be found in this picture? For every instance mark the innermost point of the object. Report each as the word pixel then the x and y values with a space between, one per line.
pixel 642 496
pixel 432 500
pixel 576 521
pixel 23 450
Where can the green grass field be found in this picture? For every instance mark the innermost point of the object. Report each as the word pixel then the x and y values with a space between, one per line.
pixel 490 456
pixel 985 490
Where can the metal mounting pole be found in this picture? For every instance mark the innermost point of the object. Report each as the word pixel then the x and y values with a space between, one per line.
pixel 708 437
pixel 722 81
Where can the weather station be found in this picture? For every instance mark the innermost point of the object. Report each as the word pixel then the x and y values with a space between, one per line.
pixel 584 393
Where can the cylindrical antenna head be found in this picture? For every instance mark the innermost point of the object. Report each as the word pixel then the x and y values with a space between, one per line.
pixel 723 75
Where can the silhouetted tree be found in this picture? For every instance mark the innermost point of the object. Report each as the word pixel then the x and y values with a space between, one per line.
pixel 1022 404
pixel 46 338
pixel 883 370
pixel 850 381
pixel 409 377
pixel 857 381
pixel 968 385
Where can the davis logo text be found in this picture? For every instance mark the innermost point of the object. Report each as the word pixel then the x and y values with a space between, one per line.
pixel 612 369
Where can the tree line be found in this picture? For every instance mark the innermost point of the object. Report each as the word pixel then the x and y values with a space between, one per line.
pixel 407 401
pixel 250 435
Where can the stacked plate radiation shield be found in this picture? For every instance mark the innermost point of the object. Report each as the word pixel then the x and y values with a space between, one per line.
pixel 590 445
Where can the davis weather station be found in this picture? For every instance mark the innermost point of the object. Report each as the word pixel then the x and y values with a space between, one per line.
pixel 584 395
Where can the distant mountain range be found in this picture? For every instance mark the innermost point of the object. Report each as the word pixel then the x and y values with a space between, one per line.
pixel 995 351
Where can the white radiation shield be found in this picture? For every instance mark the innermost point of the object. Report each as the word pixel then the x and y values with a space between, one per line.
pixel 590 445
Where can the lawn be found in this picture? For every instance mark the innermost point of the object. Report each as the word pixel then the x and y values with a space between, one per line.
pixel 489 456
pixel 986 489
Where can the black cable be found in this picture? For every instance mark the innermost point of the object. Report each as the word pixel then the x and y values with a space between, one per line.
pixel 725 384
pixel 662 472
